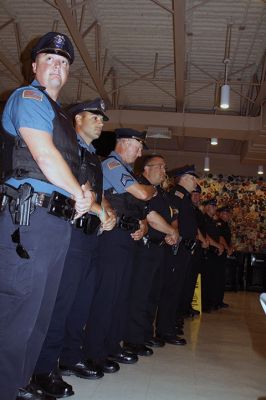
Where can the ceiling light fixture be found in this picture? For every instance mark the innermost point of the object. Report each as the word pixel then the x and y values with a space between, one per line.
pixel 260 170
pixel 207 163
pixel 214 141
pixel 225 89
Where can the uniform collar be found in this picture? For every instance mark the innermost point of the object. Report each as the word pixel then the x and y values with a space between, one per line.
pixel 82 143
pixel 37 85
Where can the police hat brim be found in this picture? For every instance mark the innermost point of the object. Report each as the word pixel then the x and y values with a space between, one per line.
pixel 48 50
pixel 97 112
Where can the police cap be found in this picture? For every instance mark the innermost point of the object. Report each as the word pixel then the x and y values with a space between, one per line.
pixel 209 202
pixel 186 169
pixel 128 133
pixel 197 189
pixel 95 106
pixel 224 209
pixel 55 43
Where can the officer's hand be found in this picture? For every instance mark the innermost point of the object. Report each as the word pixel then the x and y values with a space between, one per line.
pixel 143 229
pixel 205 244
pixel 110 220
pixel 220 249
pixel 169 239
pixel 83 202
pixel 174 236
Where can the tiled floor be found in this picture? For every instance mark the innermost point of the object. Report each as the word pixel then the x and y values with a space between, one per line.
pixel 225 359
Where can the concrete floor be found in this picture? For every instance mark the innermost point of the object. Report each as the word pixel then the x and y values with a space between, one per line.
pixel 225 359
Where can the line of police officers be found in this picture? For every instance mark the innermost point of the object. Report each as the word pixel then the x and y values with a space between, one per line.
pixel 97 264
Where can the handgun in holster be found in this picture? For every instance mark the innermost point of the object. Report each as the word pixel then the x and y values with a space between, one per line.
pixel 20 206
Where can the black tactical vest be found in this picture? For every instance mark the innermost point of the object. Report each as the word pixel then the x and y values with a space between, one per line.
pixel 23 165
pixel 91 170
pixel 125 203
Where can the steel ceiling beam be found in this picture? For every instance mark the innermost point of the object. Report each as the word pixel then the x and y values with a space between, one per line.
pixel 78 40
pixel 179 51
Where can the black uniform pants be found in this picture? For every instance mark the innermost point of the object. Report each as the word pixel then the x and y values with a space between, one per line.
pixel 106 324
pixel 211 276
pixel 190 284
pixel 176 271
pixel 145 292
pixel 72 306
pixel 28 289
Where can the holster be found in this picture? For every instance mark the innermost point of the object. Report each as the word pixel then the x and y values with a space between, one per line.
pixel 89 223
pixel 128 223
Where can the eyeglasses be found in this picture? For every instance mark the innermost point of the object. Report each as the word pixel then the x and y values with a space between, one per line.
pixel 19 249
pixel 161 166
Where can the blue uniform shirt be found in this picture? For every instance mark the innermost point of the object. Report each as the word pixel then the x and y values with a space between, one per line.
pixel 116 175
pixel 28 107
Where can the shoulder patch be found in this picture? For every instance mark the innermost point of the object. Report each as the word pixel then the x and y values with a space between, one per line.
pixel 32 94
pixel 113 164
pixel 179 194
pixel 125 179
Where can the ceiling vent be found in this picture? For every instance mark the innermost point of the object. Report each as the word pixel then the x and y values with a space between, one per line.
pixel 159 132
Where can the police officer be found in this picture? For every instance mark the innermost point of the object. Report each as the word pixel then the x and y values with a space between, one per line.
pixel 178 269
pixel 64 337
pixel 223 214
pixel 213 260
pixel 149 263
pixel 106 325
pixel 197 258
pixel 42 177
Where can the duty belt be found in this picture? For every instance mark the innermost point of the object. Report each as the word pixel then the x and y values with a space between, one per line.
pixel 148 242
pixel 88 223
pixel 22 203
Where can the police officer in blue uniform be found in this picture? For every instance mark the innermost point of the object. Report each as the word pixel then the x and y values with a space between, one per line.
pixel 179 265
pixel 213 259
pixel 149 263
pixel 106 324
pixel 36 204
pixel 64 337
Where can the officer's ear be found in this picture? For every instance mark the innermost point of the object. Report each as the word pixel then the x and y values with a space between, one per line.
pixel 78 119
pixel 34 67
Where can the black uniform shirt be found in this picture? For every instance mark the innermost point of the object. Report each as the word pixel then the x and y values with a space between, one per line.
pixel 200 220
pixel 180 199
pixel 161 204
pixel 225 230
pixel 211 228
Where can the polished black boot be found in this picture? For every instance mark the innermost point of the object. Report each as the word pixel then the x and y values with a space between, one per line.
pixel 139 349
pixel 124 357
pixel 154 342
pixel 86 370
pixel 107 366
pixel 52 384
pixel 30 392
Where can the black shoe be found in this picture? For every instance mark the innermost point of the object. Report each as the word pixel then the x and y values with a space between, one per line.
pixel 52 384
pixel 195 312
pixel 224 305
pixel 178 330
pixel 124 357
pixel 173 339
pixel 84 370
pixel 139 349
pixel 108 366
pixel 154 342
pixel 31 393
